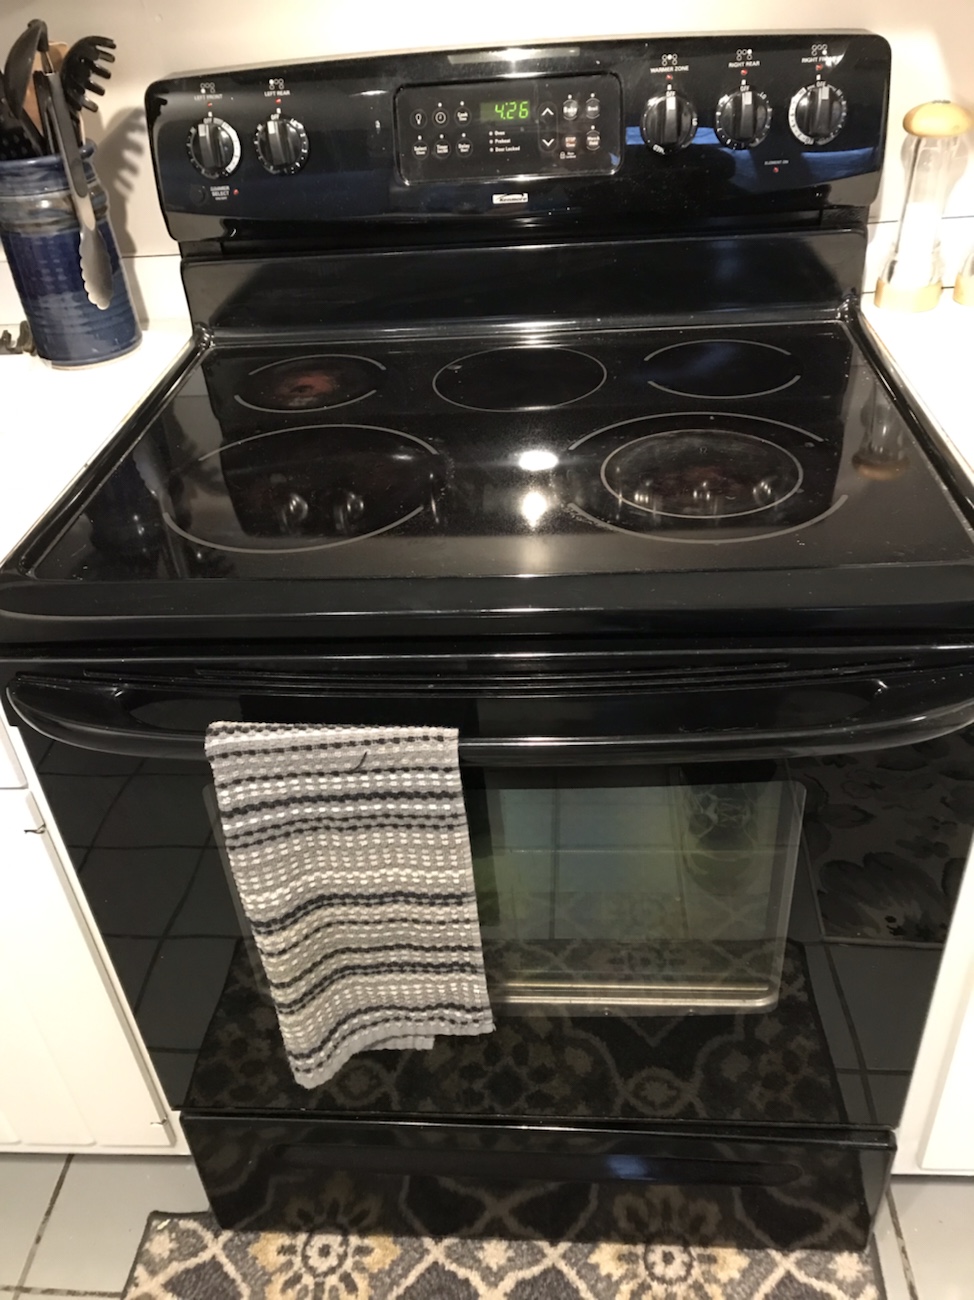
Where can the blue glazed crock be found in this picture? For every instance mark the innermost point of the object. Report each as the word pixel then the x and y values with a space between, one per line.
pixel 40 234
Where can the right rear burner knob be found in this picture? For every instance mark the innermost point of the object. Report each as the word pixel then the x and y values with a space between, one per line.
pixel 743 118
pixel 669 122
pixel 817 113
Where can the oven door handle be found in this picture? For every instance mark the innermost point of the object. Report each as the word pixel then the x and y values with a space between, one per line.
pixel 916 706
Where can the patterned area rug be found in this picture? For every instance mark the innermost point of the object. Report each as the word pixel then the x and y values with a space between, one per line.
pixel 188 1257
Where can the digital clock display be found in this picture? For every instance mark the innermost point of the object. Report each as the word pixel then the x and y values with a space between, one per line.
pixel 506 110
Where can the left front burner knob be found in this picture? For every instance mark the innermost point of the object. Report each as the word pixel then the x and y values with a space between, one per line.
pixel 282 145
pixel 214 147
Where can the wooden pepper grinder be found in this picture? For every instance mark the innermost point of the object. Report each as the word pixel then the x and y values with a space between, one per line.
pixel 913 276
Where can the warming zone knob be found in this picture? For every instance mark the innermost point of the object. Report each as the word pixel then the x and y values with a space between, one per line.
pixel 282 145
pixel 743 118
pixel 214 147
pixel 669 122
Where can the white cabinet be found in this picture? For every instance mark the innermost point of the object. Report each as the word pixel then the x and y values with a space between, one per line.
pixel 70 1075
pixel 937 1132
pixel 11 773
pixel 950 1146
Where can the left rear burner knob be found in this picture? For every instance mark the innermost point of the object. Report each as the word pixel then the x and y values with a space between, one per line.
pixel 282 145
pixel 214 147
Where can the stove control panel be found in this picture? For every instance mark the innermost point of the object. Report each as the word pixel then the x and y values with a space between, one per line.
pixel 523 126
pixel 671 128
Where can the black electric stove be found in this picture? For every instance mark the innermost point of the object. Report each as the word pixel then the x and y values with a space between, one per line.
pixel 528 395
pixel 425 398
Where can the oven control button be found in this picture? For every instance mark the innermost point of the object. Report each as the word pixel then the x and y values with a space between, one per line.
pixel 464 147
pixel 592 107
pixel 548 141
pixel 441 147
pixel 817 113
pixel 214 147
pixel 421 149
pixel 547 114
pixel 669 122
pixel 462 116
pixel 282 145
pixel 441 117
pixel 569 110
pixel 417 119
pixel 592 139
pixel 743 118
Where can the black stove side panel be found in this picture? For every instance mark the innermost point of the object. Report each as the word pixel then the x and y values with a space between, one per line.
pixel 674 131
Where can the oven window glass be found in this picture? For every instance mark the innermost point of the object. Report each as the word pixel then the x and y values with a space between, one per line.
pixel 635 891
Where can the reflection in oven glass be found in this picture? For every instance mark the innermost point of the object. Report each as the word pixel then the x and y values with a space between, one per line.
pixel 599 894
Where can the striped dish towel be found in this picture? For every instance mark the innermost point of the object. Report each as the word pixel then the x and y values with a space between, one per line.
pixel 350 853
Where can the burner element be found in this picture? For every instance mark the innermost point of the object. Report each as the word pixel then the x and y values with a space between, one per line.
pixel 305 488
pixel 312 383
pixel 520 379
pixel 727 368
pixel 701 474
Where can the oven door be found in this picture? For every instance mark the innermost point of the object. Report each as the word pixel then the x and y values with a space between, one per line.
pixel 712 902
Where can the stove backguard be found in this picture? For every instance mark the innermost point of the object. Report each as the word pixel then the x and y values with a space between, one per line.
pixel 672 129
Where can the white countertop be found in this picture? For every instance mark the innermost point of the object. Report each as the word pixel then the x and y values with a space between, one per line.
pixel 53 422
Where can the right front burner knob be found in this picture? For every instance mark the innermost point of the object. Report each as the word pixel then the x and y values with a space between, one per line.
pixel 743 118
pixel 817 113
pixel 669 122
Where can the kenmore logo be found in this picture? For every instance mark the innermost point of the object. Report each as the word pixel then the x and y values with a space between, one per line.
pixel 510 198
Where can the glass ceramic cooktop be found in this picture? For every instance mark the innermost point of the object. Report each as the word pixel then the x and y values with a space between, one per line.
pixel 624 451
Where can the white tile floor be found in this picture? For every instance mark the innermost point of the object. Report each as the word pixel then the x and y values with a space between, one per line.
pixel 70 1228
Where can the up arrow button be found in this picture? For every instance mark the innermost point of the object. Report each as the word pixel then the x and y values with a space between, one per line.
pixel 547 114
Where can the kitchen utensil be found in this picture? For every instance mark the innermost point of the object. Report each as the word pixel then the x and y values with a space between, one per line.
pixel 14 141
pixel 56 51
pixel 81 67
pixel 912 277
pixel 96 267
pixel 17 74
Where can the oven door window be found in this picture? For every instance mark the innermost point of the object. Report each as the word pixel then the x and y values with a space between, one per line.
pixel 634 890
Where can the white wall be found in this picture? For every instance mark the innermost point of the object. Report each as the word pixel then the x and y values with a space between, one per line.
pixel 933 47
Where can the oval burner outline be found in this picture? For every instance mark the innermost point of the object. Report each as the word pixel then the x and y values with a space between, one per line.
pixel 696 415
pixel 736 343
pixel 675 514
pixel 549 349
pixel 315 546
pixel 299 360
pixel 707 541
pixel 673 537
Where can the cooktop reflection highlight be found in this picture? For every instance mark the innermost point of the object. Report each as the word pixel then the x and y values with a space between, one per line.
pixel 616 452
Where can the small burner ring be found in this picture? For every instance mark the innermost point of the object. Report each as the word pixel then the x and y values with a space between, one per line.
pixel 722 369
pixel 519 378
pixel 322 381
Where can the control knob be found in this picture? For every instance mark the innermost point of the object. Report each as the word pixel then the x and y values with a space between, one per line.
pixel 282 145
pixel 743 118
pixel 214 147
pixel 669 122
pixel 817 113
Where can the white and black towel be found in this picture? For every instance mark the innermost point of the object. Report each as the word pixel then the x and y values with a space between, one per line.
pixel 350 852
